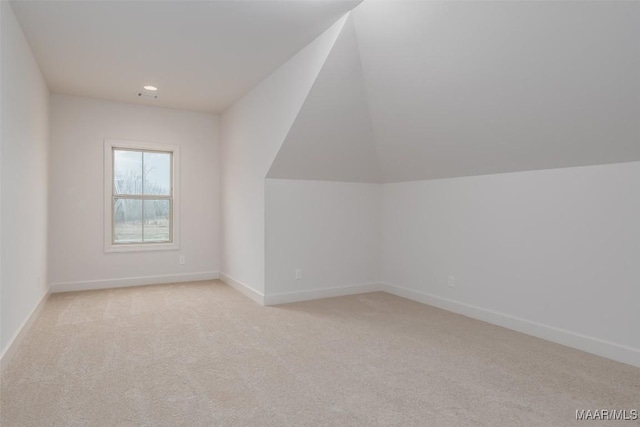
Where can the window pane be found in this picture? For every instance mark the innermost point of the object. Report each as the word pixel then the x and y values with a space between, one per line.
pixel 157 174
pixel 127 221
pixel 156 221
pixel 127 172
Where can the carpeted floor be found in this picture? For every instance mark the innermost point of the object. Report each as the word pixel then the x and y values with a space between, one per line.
pixel 201 354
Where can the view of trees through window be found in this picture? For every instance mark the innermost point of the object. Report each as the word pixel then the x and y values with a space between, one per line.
pixel 142 196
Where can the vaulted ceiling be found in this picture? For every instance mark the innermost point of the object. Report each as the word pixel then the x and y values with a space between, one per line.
pixel 411 90
pixel 202 55
pixel 332 136
pixel 424 90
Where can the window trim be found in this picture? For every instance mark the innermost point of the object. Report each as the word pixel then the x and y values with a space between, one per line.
pixel 109 246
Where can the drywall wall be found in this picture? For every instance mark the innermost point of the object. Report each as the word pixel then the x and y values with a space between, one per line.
pixel 328 230
pixel 24 165
pixel 79 127
pixel 463 88
pixel 203 55
pixel 332 138
pixel 252 132
pixel 557 248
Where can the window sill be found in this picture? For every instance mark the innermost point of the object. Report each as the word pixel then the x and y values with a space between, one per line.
pixel 147 247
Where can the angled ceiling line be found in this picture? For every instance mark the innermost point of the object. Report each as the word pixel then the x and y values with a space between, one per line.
pixel 332 138
pixel 340 22
pixel 367 89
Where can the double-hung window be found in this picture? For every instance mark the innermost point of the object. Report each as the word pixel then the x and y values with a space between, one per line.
pixel 140 196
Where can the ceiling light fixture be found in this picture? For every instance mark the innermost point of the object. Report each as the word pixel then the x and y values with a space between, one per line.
pixel 150 88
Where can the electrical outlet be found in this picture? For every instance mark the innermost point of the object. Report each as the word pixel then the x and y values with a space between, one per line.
pixel 182 259
pixel 451 282
pixel 298 274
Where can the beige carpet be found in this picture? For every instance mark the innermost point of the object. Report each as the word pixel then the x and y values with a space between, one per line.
pixel 201 354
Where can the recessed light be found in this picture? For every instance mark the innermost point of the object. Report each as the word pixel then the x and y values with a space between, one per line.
pixel 150 88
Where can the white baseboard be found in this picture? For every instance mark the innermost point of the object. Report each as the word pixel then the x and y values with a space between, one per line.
pixel 287 297
pixel 242 288
pixel 14 342
pixel 132 281
pixel 586 343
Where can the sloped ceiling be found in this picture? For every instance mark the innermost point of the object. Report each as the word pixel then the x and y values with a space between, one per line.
pixel 202 55
pixel 470 88
pixel 332 138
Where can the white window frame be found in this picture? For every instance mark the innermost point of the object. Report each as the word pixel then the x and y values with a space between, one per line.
pixel 109 246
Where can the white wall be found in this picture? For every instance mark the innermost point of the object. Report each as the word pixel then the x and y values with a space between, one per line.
pixel 24 165
pixel 332 137
pixel 253 130
pixel 467 88
pixel 558 247
pixel 329 230
pixel 78 128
